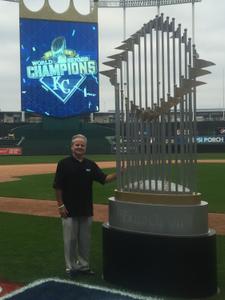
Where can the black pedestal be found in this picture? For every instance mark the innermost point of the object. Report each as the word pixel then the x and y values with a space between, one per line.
pixel 161 265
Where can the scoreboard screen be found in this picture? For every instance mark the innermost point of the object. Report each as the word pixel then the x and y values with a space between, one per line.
pixel 59 67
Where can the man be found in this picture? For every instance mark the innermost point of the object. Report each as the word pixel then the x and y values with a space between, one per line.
pixel 73 185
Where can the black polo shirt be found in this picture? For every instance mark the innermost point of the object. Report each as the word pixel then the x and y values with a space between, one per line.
pixel 75 179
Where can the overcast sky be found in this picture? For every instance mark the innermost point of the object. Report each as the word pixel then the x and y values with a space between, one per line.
pixel 209 38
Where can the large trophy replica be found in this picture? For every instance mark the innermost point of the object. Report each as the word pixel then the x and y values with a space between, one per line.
pixel 157 239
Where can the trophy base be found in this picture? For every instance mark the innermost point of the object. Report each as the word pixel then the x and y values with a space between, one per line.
pixel 176 266
pixel 156 218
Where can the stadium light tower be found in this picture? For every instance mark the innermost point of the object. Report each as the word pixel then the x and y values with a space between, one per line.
pixel 140 3
pixel 144 3
pixel 12 0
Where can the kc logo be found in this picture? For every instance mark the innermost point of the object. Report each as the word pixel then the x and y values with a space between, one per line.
pixel 62 71
pixel 61 87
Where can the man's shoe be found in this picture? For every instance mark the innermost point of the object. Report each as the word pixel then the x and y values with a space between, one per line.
pixel 87 272
pixel 71 273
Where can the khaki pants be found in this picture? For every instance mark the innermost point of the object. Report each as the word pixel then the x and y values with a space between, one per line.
pixel 77 238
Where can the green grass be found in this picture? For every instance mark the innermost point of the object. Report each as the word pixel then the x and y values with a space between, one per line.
pixel 32 249
pixel 34 186
pixel 211 155
pixel 210 184
pixel 6 160
pixel 40 187
pixel 17 160
pixel 11 160
pixel 221 266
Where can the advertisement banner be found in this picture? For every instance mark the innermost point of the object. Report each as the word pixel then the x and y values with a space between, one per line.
pixel 210 140
pixel 59 67
pixel 11 151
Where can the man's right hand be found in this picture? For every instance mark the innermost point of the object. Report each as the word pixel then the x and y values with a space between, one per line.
pixel 63 211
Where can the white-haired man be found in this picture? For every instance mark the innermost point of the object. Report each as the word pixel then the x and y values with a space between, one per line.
pixel 73 185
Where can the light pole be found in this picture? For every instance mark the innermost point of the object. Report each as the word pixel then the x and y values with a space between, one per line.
pixel 193 22
pixel 223 99
pixel 12 0
pixel 145 3
pixel 140 3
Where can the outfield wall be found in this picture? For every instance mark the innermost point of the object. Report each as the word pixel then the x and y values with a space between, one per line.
pixel 53 136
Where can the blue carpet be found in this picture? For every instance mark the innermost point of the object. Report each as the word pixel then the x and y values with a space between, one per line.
pixel 54 289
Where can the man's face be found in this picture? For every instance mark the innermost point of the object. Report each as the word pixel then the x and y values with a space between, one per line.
pixel 78 147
